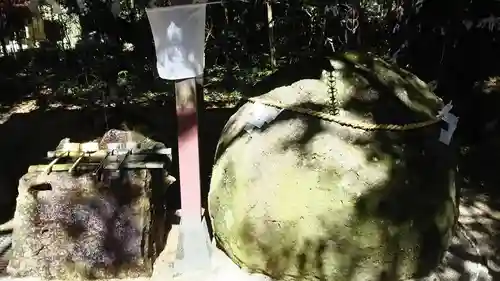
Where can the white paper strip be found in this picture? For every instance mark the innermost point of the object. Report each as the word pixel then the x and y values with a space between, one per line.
pixel 263 114
pixel 179 36
pixel 446 135
pixel 260 115
pixel 452 120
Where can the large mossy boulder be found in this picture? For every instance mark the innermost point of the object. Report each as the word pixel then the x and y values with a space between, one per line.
pixel 335 194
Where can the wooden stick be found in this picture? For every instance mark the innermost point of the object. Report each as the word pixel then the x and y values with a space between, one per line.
pixel 76 163
pixel 101 164
pixel 121 161
pixel 48 168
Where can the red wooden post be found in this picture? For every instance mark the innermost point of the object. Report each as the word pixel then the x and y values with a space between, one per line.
pixel 189 160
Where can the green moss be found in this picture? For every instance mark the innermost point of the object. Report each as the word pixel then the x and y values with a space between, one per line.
pixel 309 199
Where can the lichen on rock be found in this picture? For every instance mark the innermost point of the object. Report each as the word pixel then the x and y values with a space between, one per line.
pixel 304 198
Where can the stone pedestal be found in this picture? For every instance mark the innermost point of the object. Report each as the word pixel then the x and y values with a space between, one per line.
pixel 79 225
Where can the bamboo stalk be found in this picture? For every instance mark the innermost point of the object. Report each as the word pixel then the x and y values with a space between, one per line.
pixel 73 167
pixel 48 168
pixel 122 161
pixel 96 171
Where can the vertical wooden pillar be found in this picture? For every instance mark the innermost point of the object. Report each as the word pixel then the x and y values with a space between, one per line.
pixel 189 158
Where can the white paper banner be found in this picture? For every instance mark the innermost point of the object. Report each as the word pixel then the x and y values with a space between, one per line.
pixel 179 36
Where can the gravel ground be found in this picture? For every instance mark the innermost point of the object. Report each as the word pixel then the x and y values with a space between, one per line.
pixel 473 254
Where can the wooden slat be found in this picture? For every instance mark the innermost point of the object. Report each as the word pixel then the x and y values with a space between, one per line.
pixel 3 266
pixel 8 278
pixel 92 166
pixel 117 158
pixel 102 153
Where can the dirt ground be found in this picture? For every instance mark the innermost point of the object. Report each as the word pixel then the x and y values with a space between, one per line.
pixel 27 133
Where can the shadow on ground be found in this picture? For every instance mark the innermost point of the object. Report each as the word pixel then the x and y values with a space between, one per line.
pixel 480 204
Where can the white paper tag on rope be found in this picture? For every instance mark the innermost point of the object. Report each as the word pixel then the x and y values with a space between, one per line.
pixel 179 36
pixel 262 114
pixel 452 120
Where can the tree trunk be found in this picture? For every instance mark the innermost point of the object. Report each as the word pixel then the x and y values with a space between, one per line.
pixel 4 47
pixel 19 40
pixel 270 24
pixel 226 48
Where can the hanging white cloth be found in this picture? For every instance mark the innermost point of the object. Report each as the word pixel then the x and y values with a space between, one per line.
pixel 81 4
pixel 33 6
pixel 179 36
pixel 56 8
pixel 116 8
